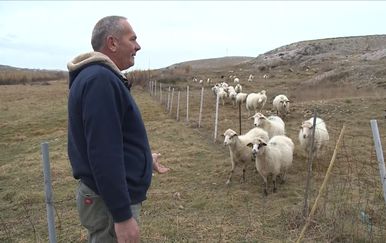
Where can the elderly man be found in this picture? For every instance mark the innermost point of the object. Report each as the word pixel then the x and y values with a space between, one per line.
pixel 107 141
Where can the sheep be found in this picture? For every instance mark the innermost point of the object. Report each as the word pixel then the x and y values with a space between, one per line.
pixel 222 95
pixel 232 96
pixel 320 139
pixel 281 105
pixel 274 125
pixel 274 157
pixel 236 80
pixel 238 88
pixel 241 98
pixel 238 150
pixel 250 78
pixel 253 101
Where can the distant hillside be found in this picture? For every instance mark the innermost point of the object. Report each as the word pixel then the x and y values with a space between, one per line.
pixel 212 62
pixel 14 75
pixel 358 60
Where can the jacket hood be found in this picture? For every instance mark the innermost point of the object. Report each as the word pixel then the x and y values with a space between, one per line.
pixel 86 59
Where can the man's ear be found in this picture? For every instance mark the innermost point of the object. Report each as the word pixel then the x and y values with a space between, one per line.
pixel 112 43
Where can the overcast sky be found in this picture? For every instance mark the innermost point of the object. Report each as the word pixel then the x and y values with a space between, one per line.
pixel 46 35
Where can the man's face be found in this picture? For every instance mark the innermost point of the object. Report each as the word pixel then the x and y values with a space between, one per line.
pixel 127 47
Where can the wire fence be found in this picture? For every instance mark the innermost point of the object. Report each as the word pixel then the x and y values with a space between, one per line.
pixel 352 207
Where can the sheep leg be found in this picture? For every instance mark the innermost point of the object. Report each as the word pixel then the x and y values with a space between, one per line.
pixel 282 177
pixel 229 178
pixel 230 174
pixel 265 186
pixel 274 186
pixel 243 174
pixel 274 183
pixel 262 106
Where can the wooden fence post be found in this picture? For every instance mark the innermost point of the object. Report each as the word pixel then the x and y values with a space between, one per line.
pixel 187 103
pixel 216 119
pixel 201 103
pixel 178 106
pixel 171 102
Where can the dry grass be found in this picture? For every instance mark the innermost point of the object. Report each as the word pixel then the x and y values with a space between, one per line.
pixel 191 203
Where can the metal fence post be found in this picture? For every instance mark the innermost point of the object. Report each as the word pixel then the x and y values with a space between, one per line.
pixel 48 192
pixel 381 160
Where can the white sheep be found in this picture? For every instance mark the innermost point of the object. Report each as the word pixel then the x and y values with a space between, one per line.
pixel 254 100
pixel 320 139
pixel 250 78
pixel 238 88
pixel 238 149
pixel 274 157
pixel 281 104
pixel 241 98
pixel 274 125
pixel 236 80
pixel 222 95
pixel 232 96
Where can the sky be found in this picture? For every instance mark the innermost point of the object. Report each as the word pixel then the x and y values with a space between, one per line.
pixel 48 34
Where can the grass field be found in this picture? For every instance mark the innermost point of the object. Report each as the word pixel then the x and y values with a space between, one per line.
pixel 191 203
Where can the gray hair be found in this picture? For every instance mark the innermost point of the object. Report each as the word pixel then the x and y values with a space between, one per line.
pixel 106 26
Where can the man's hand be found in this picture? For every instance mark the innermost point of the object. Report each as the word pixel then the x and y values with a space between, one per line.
pixel 157 166
pixel 127 231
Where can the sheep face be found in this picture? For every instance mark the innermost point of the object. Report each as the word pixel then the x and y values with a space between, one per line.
pixel 258 147
pixel 284 103
pixel 306 129
pixel 229 137
pixel 258 119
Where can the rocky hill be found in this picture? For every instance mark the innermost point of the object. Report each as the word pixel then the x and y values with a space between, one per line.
pixel 357 60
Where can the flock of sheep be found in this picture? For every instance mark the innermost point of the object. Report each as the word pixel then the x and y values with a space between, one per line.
pixel 267 144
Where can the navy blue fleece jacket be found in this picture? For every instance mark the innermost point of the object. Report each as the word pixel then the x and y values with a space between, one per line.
pixel 107 142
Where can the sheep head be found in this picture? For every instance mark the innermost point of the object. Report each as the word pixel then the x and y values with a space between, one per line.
pixel 257 146
pixel 229 135
pixel 306 129
pixel 258 119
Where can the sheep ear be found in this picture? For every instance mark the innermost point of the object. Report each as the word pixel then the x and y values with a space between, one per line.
pixel 252 117
pixel 250 145
pixel 263 144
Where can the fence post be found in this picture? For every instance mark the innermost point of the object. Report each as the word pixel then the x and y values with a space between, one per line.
pixel 309 174
pixel 160 93
pixel 381 160
pixel 187 103
pixel 240 117
pixel 167 105
pixel 216 119
pixel 178 106
pixel 201 102
pixel 171 102
pixel 48 192
pixel 155 89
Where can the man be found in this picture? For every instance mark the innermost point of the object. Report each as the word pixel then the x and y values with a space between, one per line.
pixel 107 142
